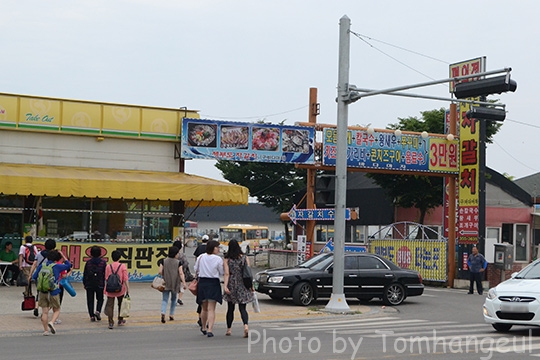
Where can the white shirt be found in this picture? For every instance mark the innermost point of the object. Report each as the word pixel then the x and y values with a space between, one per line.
pixel 22 251
pixel 209 266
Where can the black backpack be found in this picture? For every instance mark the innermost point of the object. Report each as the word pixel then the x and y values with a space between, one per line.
pixel 92 275
pixel 114 284
pixel 30 255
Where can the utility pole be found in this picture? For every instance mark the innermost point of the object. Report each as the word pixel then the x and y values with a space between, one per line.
pixel 337 301
pixel 311 175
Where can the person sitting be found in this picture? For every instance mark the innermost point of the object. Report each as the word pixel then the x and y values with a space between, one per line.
pixel 8 255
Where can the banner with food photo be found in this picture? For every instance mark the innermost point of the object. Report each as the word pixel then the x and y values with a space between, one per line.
pixel 236 141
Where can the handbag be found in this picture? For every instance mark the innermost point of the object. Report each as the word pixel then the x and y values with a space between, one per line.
pixel 22 280
pixel 158 283
pixel 193 286
pixel 125 307
pixel 247 275
pixel 29 301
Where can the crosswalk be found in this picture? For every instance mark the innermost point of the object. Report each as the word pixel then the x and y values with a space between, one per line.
pixel 421 334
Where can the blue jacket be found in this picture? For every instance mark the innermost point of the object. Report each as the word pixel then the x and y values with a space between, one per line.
pixel 57 269
pixel 475 263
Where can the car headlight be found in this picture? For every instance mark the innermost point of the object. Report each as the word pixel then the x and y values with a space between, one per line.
pixel 275 279
pixel 492 294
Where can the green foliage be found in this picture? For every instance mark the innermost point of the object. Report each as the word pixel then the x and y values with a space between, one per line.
pixel 273 184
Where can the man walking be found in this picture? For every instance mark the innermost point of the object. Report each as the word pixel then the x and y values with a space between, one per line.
pixel 477 265
pixel 27 255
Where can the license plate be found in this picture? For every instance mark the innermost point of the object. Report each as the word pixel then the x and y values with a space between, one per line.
pixel 514 308
pixel 255 285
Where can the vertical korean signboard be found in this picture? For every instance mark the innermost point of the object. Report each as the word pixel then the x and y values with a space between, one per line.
pixel 469 171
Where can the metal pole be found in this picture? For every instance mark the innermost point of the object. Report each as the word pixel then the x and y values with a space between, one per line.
pixel 337 301
pixel 452 208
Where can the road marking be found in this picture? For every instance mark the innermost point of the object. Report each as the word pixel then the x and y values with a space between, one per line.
pixel 374 323
pixel 335 322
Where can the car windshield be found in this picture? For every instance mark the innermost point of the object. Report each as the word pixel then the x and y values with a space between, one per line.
pixel 530 272
pixel 319 262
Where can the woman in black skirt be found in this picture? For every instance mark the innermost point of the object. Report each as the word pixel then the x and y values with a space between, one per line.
pixel 209 269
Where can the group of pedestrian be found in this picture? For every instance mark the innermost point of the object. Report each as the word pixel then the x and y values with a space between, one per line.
pixel 209 268
pixel 47 267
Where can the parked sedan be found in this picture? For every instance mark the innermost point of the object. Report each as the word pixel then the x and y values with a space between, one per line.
pixel 515 301
pixel 366 276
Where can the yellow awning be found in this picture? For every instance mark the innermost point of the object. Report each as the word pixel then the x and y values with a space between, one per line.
pixel 38 180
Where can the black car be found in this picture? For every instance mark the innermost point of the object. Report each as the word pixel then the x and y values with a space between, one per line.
pixel 366 276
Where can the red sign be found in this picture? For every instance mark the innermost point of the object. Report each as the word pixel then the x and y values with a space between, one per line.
pixel 403 257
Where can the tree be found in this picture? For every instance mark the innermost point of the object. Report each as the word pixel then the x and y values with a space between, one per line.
pixel 422 192
pixel 274 184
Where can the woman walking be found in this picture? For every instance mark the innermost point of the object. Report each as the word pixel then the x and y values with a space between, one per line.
pixel 110 273
pixel 235 290
pixel 209 268
pixel 174 278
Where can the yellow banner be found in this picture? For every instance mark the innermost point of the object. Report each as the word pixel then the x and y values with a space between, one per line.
pixel 33 113
pixel 428 257
pixel 141 260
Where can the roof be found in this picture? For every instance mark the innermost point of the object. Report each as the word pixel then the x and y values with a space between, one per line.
pixel 246 214
pixel 40 180
pixel 530 184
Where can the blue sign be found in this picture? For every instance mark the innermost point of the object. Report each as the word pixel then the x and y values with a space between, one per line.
pixel 329 247
pixel 235 141
pixel 388 151
pixel 315 214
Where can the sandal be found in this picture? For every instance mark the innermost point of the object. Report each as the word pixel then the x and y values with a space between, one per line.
pixel 171 318
pixel 163 318
pixel 228 333
pixel 246 332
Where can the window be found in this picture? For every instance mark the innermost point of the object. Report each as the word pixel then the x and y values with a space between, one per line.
pixel 351 262
pixel 370 263
pixel 517 235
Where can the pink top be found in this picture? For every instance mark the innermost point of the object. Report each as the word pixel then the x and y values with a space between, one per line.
pixel 124 277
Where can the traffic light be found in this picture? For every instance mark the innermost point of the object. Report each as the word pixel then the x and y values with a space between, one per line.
pixel 486 113
pixel 484 87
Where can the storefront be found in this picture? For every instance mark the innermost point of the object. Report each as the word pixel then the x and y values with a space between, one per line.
pixel 87 173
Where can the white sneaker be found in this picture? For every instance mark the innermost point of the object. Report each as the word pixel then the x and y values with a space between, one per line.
pixel 57 322
pixel 45 333
pixel 51 327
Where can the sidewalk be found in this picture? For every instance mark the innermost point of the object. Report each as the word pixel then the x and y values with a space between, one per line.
pixel 145 311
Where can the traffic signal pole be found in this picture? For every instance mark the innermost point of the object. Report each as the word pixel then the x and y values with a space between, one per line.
pixel 338 303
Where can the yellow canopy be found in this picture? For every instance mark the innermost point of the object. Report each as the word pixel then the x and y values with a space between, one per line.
pixel 38 180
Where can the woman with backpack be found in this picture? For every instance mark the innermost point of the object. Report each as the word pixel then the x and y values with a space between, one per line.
pixel 94 282
pixel 116 287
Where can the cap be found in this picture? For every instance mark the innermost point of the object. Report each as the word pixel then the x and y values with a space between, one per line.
pixel 205 238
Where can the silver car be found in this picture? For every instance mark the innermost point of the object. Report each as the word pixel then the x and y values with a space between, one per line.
pixel 515 301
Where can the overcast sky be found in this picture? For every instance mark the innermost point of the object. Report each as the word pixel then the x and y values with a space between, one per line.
pixel 250 60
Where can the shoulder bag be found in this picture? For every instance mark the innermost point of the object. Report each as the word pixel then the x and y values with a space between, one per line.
pixel 193 286
pixel 158 283
pixel 247 275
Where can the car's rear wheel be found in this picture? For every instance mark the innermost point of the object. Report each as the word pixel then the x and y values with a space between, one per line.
pixel 302 294
pixel 394 294
pixel 502 327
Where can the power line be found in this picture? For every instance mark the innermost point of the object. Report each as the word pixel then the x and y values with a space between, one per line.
pixel 515 159
pixel 399 47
